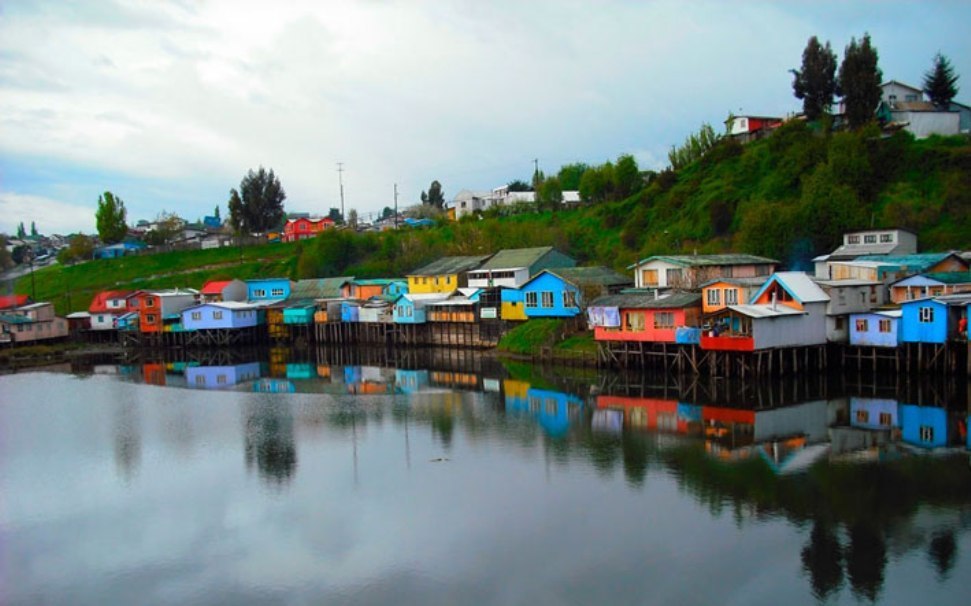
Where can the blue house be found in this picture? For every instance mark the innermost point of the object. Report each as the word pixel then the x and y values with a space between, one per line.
pixel 218 377
pixel 924 426
pixel 550 296
pixel 115 251
pixel 933 320
pixel 874 413
pixel 212 222
pixel 410 309
pixel 350 311
pixel 223 315
pixel 410 381
pixel 268 289
pixel 875 329
pixel 553 410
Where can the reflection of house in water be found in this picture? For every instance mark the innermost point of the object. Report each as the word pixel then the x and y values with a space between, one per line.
pixel 410 381
pixel 269 385
pixel 462 380
pixel 301 370
pixel 555 411
pixel 217 377
pixel 924 426
pixel 362 380
pixel 652 414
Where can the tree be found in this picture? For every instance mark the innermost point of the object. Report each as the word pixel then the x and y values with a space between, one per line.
pixel 258 205
pixel 694 147
pixel 6 262
pixel 570 175
pixel 33 229
pixel 335 216
pixel 815 83
pixel 216 212
pixel 387 213
pixel 21 231
pixel 110 218
pixel 352 218
pixel 435 197
pixel 859 82
pixel 519 185
pixel 79 248
pixel 167 227
pixel 940 82
pixel 549 194
pixel 627 176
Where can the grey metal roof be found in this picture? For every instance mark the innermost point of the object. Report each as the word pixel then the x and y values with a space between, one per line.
pixel 708 260
pixel 597 275
pixel 752 282
pixel 516 257
pixel 647 301
pixel 449 265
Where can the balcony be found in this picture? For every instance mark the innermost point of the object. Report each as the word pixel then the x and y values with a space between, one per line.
pixel 727 342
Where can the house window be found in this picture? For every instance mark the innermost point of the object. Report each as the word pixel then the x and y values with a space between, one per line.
pixel 101 318
pixel 663 319
pixel 853 239
pixel 436 280
pixel 926 433
pixel 873 294
pixel 885 419
pixel 839 324
pixel 863 416
pixel 673 276
pixel 870 239
pixel 276 292
pixel 259 293
pixel 649 277
pixel 884 326
pixel 150 318
pixel 200 379
pixel 550 407
pixel 714 296
pixel 532 300
pixel 635 321
pixel 862 325
pixel 926 315
pixel 197 315
pixel 886 238
pixel 217 315
pixel 731 296
pixel 221 379
pixel 547 298
pixel 569 298
pixel 149 302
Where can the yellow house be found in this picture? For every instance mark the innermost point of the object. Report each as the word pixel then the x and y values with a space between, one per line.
pixel 720 293
pixel 443 276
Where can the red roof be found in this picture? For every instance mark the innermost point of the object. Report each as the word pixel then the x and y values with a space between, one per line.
pixel 8 301
pixel 214 287
pixel 100 302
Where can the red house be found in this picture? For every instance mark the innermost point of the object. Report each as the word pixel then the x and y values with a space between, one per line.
pixel 305 227
pixel 11 301
pixel 643 316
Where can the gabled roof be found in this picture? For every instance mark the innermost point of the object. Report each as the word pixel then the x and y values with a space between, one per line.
pixel 100 302
pixel 449 265
pixel 648 301
pixel 14 319
pixel 9 301
pixel 215 287
pixel 944 277
pixel 319 288
pixel 376 281
pixel 765 311
pixel 513 258
pixel 796 283
pixel 707 260
pixel 915 262
pixel 230 305
pixel 589 276
pixel 750 282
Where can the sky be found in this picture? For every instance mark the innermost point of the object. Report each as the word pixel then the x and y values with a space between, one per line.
pixel 169 104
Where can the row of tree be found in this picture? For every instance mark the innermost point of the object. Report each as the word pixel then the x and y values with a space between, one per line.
pixel 858 80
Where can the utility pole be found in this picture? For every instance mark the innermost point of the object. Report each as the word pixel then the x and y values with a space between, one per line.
pixel 340 179
pixel 396 206
pixel 535 173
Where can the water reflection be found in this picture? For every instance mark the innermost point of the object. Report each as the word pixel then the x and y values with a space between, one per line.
pixel 863 476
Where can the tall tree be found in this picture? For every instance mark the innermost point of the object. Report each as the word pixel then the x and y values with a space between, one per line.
pixel 216 212
pixel 815 83
pixel 549 194
pixel 859 81
pixel 435 196
pixel 570 175
pixel 940 82
pixel 627 176
pixel 258 205
pixel 335 216
pixel 387 213
pixel 33 229
pixel 110 218
pixel 519 185
pixel 21 231
pixel 352 218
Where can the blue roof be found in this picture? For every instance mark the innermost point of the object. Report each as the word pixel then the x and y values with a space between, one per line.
pixel 916 262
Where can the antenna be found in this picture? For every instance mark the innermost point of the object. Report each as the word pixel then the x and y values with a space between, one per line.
pixel 340 179
pixel 396 206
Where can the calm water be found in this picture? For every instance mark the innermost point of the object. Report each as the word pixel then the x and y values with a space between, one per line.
pixel 313 482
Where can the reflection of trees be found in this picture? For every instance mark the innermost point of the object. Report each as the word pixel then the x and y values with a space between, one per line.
pixel 269 441
pixel 942 551
pixel 822 558
pixel 634 447
pixel 443 425
pixel 128 440
pixel 866 559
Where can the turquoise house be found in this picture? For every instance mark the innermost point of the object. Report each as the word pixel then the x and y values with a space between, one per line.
pixel 923 321
pixel 875 329
pixel 268 289
pixel 550 296
pixel 409 309
pixel 305 295
pixel 924 426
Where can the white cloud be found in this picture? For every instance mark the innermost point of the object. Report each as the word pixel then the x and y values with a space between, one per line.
pixel 51 216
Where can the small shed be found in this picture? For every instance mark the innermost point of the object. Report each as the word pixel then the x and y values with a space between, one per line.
pixel 878 328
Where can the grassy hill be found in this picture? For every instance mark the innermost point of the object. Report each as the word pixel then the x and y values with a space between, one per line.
pixel 789 196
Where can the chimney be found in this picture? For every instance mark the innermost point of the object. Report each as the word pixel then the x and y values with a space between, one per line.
pixel 657 294
pixel 774 297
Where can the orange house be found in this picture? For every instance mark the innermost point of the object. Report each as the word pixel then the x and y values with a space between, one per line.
pixel 155 307
pixel 643 317
pixel 718 294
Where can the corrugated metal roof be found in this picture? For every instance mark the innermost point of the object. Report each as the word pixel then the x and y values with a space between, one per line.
pixel 755 281
pixel 765 311
pixel 449 265
pixel 319 288
pixel 376 282
pixel 799 285
pixel 512 258
pixel 915 262
pixel 950 277
pixel 597 275
pixel 707 260
pixel 10 319
pixel 648 301
pixel 214 287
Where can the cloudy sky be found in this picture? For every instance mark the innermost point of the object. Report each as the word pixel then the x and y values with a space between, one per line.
pixel 168 104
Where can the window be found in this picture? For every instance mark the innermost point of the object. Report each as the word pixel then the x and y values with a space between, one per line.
pixel 101 318
pixel 532 299
pixel 884 325
pixel 276 292
pixel 885 419
pixel 926 433
pixel 926 315
pixel 853 239
pixel 862 325
pixel 259 293
pixel 550 405
pixel 911 98
pixel 217 315
pixel 150 318
pixel 200 379
pixel 839 323
pixel 714 296
pixel 197 315
pixel 886 238
pixel 873 294
pixel 569 299
pixel 863 416
pixel 649 277
pixel 436 280
pixel 870 239
pixel 547 298
pixel 673 276
pixel 663 319
pixel 221 379
pixel 149 302
pixel 635 321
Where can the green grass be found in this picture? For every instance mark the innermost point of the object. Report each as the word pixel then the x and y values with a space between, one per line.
pixel 530 337
pixel 582 342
